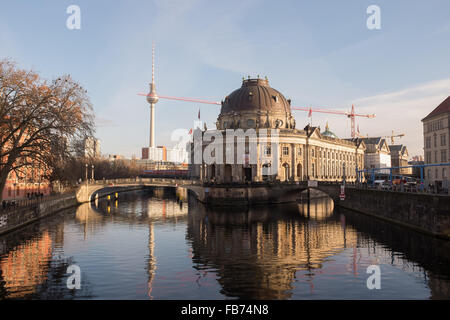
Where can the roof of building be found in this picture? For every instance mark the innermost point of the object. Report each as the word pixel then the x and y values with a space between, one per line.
pixel 396 147
pixel 328 133
pixel 375 140
pixel 400 148
pixel 440 109
pixel 255 95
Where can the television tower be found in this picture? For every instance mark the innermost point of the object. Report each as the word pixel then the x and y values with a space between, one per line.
pixel 152 98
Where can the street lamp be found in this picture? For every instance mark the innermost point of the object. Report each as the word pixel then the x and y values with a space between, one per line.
pixel 93 173
pixel 343 171
pixel 87 182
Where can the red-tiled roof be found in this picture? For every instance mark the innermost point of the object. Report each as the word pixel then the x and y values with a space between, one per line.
pixel 442 108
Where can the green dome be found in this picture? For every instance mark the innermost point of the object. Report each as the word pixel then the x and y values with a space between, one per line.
pixel 328 133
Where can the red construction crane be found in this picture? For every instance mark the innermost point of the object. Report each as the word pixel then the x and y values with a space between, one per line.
pixel 183 99
pixel 350 115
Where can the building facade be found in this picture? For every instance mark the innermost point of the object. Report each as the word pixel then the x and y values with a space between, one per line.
pixel 92 148
pixel 377 154
pixel 436 142
pixel 399 158
pixel 283 153
pixel 30 177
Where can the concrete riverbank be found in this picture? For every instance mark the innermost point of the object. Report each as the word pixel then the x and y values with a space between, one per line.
pixel 17 217
pixel 426 213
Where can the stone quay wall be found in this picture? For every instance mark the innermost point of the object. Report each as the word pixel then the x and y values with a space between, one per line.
pixel 13 218
pixel 425 213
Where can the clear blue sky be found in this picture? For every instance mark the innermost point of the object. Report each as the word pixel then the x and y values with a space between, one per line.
pixel 318 53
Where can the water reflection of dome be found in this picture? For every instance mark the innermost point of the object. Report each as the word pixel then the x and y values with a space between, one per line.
pixel 318 209
pixel 259 260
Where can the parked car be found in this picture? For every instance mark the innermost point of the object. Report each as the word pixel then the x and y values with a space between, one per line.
pixel 386 185
pixel 378 183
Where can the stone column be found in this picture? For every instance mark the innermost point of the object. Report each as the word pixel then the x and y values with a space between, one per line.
pixel 293 166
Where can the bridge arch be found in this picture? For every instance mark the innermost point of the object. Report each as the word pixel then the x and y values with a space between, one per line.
pixel 87 192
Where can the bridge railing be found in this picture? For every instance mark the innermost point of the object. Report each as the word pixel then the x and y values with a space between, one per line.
pixel 18 204
pixel 400 188
pixel 416 184
pixel 138 180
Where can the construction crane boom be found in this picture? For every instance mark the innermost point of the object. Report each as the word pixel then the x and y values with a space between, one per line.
pixel 184 99
pixel 350 114
pixel 392 136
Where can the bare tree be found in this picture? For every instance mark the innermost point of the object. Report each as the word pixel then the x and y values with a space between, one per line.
pixel 41 122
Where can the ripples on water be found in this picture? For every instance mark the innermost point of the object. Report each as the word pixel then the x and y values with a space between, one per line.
pixel 149 246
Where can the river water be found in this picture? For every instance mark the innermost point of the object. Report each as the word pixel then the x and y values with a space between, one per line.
pixel 147 245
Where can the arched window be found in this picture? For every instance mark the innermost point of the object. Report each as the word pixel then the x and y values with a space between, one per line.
pixel 299 170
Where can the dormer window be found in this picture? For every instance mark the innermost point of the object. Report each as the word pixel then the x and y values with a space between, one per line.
pixel 275 98
pixel 250 96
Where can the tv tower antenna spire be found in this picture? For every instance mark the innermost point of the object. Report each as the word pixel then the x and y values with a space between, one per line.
pixel 152 98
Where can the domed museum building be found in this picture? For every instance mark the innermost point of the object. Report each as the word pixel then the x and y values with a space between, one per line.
pixel 283 152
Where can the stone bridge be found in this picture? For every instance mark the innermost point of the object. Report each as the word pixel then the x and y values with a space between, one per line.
pixel 257 193
pixel 219 194
pixel 102 188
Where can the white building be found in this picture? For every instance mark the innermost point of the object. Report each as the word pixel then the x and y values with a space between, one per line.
pixel 177 155
pixel 92 148
pixel 174 155
pixel 377 154
pixel 436 133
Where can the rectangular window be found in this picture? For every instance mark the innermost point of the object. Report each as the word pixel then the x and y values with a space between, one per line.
pixel 428 142
pixel 435 157
pixel 443 142
pixel 285 151
pixel 299 151
pixel 443 155
pixel 267 151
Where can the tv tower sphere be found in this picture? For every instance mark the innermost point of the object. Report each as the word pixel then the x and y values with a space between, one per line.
pixel 152 97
